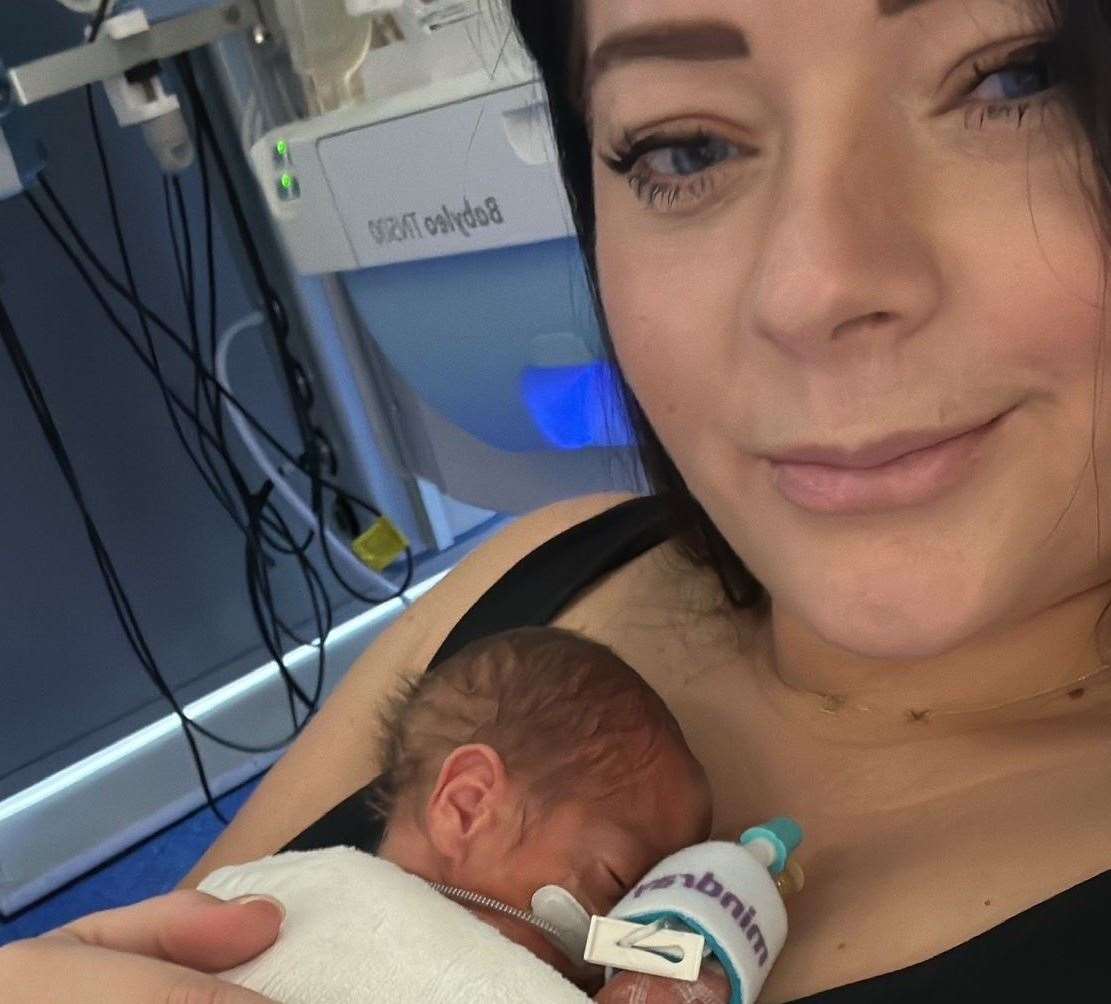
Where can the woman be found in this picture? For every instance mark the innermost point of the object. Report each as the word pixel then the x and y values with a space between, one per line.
pixel 828 236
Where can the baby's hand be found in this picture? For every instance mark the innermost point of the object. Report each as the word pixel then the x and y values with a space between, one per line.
pixel 636 988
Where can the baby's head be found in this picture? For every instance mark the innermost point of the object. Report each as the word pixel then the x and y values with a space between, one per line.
pixel 537 757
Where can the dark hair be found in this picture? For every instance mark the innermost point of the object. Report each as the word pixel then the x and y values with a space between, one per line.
pixel 558 708
pixel 552 31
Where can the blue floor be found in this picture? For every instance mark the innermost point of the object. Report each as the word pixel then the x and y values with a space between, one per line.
pixel 152 868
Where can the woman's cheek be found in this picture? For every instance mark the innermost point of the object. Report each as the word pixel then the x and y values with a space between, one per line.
pixel 666 331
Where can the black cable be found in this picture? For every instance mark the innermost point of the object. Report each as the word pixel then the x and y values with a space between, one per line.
pixel 120 327
pixel 98 19
pixel 256 505
pixel 215 410
pixel 269 623
pixel 201 386
pixel 241 747
pixel 132 287
pixel 125 614
pixel 252 506
pixel 213 480
pixel 112 316
pixel 201 368
pixel 279 326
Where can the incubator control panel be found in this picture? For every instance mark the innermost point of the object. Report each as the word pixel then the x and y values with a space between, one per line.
pixel 452 176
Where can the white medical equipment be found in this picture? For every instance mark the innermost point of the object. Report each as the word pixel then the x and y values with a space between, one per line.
pixel 717 898
pixel 409 172
pixel 432 191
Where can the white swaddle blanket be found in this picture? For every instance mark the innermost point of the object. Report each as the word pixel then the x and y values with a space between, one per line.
pixel 359 929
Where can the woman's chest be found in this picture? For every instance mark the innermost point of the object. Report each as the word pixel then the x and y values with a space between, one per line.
pixel 906 855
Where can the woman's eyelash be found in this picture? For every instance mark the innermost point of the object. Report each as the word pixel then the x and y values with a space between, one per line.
pixel 627 161
pixel 628 152
pixel 1038 57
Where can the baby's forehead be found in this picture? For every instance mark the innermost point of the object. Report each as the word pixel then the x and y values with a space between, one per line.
pixel 666 802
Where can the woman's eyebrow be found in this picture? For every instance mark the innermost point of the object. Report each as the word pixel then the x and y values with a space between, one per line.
pixel 697 41
pixel 679 40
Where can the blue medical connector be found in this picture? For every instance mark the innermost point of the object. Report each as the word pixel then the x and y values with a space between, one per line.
pixel 773 842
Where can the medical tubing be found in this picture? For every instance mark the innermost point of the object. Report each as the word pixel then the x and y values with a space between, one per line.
pixel 98 19
pixel 189 293
pixel 211 480
pixel 180 342
pixel 284 488
pixel 215 483
pixel 272 519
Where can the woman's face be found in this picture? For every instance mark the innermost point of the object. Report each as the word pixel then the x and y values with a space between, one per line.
pixel 826 223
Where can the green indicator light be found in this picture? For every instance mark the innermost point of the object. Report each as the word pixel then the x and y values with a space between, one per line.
pixel 282 148
pixel 287 181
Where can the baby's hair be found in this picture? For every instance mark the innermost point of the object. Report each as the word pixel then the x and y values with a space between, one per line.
pixel 563 712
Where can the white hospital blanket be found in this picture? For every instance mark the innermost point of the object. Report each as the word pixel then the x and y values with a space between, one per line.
pixel 360 930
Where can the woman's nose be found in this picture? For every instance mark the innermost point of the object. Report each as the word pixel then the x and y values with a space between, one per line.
pixel 845 250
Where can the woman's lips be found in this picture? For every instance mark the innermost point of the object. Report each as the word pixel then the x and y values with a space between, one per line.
pixel 911 479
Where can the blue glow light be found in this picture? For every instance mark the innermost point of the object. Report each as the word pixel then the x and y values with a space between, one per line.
pixel 575 407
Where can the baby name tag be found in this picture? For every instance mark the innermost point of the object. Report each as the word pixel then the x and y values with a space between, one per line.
pixel 645 948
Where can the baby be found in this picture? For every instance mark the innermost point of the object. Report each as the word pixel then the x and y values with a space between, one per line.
pixel 537 757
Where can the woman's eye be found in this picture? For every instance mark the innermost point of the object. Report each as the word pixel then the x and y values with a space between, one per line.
pixel 1010 90
pixel 664 170
pixel 1013 83
pixel 693 157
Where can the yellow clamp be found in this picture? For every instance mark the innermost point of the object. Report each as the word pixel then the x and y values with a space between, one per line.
pixel 381 545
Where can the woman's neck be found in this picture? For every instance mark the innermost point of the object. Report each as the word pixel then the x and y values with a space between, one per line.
pixel 1046 667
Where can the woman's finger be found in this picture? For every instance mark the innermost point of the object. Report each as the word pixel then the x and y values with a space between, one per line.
pixel 65 969
pixel 189 928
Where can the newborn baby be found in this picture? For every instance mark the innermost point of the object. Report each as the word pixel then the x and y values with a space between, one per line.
pixel 535 758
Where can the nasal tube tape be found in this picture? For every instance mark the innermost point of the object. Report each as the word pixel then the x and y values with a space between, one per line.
pixel 718 898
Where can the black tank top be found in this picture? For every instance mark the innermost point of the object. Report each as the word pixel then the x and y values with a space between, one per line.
pixel 1057 950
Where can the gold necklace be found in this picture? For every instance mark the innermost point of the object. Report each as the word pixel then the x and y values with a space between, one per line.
pixel 833 704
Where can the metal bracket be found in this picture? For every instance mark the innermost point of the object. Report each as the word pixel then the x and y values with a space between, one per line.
pixel 109 57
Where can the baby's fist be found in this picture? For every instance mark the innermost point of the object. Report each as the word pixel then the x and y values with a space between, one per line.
pixel 636 988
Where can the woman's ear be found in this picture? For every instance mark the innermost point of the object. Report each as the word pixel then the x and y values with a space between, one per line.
pixel 467 802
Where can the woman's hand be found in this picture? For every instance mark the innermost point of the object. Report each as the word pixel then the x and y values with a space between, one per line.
pixel 159 950
pixel 636 988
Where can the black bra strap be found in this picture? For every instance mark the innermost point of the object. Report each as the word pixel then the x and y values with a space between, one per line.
pixel 531 593
pixel 534 591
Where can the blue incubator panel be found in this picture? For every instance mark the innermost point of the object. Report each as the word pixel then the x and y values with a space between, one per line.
pixel 503 343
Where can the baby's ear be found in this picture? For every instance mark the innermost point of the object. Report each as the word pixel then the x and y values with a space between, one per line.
pixel 467 800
